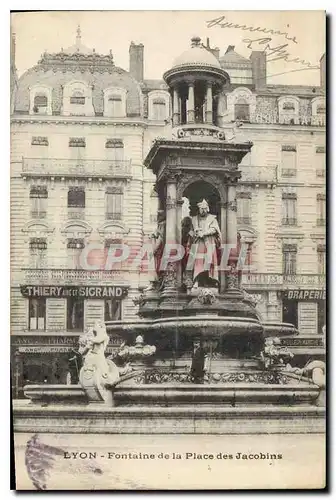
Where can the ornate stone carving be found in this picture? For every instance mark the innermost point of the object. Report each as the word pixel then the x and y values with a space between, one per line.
pixel 231 205
pixel 232 280
pixel 163 377
pixel 170 276
pixel 186 133
pixel 206 296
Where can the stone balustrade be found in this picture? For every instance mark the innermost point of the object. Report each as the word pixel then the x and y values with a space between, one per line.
pixel 76 167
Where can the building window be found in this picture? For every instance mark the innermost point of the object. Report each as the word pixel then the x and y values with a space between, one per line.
pixel 159 110
pixel 289 209
pixel 288 161
pixel 321 209
pixel 114 203
pixel 244 208
pixel 115 106
pixel 290 312
pixel 40 103
pixel 77 98
pixel 320 161
pixel 242 110
pixel 38 252
pixel 321 259
pixel 321 315
pixel 288 106
pixel 75 314
pixel 76 197
pixel 37 314
pixel 74 249
pixel 38 196
pixel 318 111
pixel 114 150
pixel 289 253
pixel 113 310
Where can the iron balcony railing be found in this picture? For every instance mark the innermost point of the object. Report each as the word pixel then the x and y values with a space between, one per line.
pixel 283 280
pixel 79 168
pixel 288 119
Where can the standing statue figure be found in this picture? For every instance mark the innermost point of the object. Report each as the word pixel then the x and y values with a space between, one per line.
pixel 157 239
pixel 205 239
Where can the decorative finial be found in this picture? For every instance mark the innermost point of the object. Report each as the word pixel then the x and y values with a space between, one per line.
pixel 195 41
pixel 79 35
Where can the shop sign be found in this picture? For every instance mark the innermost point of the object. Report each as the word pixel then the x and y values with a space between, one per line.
pixel 307 295
pixel 85 292
pixel 43 349
pixel 300 342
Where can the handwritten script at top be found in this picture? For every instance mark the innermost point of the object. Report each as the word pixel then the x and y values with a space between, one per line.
pixel 272 53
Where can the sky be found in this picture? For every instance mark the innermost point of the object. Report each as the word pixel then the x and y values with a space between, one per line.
pixel 166 34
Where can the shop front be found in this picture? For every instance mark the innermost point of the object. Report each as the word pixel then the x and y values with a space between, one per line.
pixel 46 350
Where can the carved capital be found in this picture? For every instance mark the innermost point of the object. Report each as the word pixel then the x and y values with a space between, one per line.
pixel 230 205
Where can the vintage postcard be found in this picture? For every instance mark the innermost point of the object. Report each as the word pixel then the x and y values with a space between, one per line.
pixel 168 249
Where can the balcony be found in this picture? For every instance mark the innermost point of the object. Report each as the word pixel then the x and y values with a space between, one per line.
pixel 288 172
pixel 258 174
pixel 113 216
pixel 276 281
pixel 289 221
pixel 244 220
pixel 76 213
pixel 68 168
pixel 38 214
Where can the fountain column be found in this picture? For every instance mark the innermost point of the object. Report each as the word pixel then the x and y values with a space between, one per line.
pixel 176 107
pixel 208 113
pixel 223 217
pixel 170 273
pixel 191 103
pixel 231 230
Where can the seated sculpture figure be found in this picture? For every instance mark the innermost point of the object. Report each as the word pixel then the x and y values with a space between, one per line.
pixel 203 238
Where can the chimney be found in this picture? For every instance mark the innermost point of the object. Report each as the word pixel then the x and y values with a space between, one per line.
pixel 323 71
pixel 136 61
pixel 258 60
pixel 214 51
pixel 12 50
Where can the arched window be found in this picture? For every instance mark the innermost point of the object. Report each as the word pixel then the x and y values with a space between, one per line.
pixel 77 98
pixel 115 102
pixel 242 110
pixel 159 109
pixel 40 103
pixel 288 108
pixel 158 105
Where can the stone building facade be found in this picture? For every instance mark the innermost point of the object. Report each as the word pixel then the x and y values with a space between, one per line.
pixel 80 129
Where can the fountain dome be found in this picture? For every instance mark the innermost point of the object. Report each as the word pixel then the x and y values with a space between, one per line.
pixel 197 55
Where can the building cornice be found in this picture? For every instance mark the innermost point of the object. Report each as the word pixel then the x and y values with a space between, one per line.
pixel 78 120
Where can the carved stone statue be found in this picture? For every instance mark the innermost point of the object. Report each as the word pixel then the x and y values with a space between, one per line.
pixel 204 236
pixel 98 374
pixel 157 239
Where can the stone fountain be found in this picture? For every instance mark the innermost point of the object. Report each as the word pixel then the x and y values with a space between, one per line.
pixel 199 357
